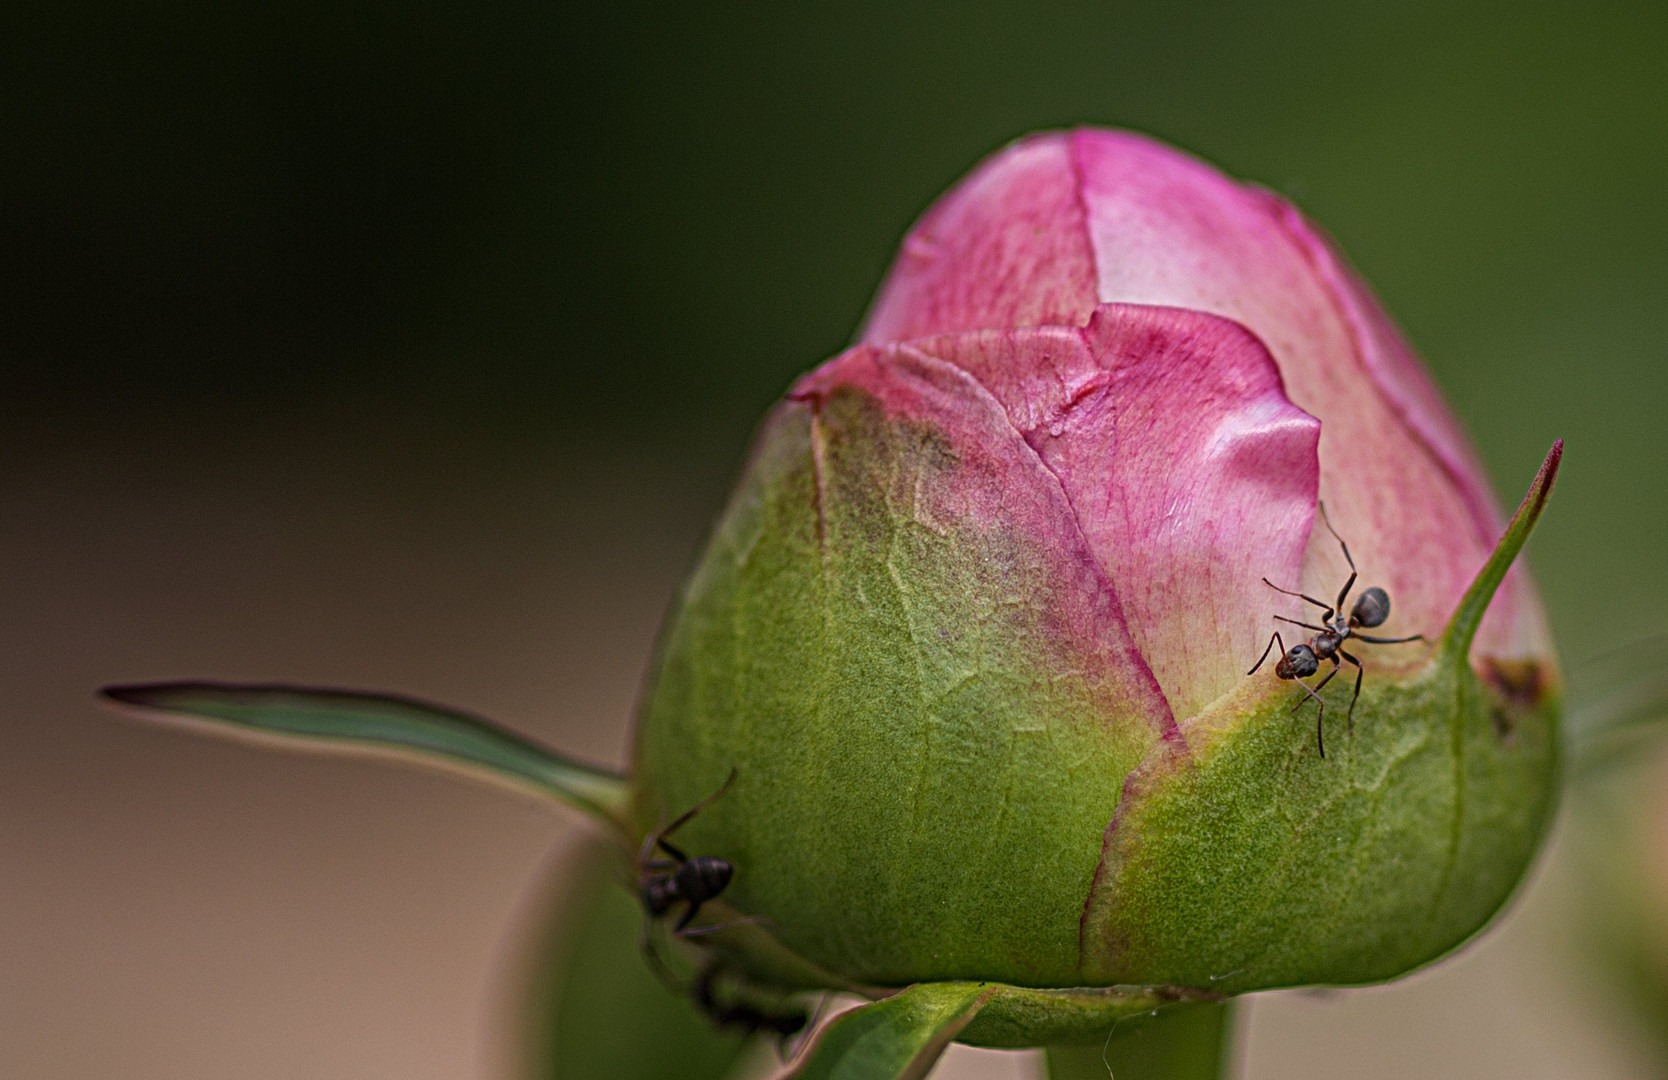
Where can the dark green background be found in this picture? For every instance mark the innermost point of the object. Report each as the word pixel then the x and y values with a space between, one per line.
pixel 631 223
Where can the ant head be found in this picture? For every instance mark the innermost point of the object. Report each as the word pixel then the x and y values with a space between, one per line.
pixel 703 877
pixel 1371 608
pixel 1300 660
pixel 659 893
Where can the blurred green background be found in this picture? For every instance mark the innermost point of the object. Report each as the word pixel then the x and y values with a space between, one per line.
pixel 411 347
pixel 638 221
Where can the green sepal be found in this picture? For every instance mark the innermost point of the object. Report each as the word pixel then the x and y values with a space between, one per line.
pixel 902 1035
pixel 1019 1016
pixel 1250 863
pixel 1462 628
pixel 899 1038
pixel 384 726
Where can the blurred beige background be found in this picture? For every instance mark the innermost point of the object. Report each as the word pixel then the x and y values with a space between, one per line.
pixel 181 908
pixel 408 348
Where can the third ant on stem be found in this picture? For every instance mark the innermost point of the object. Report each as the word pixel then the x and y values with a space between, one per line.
pixel 1371 608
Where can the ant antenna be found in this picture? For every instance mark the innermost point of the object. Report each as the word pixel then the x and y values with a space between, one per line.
pixel 659 839
pixel 1328 523
pixel 1300 596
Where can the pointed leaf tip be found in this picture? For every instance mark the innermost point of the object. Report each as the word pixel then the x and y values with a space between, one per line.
pixel 1462 628
pixel 376 725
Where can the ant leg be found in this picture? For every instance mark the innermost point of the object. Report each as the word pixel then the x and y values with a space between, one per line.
pixel 1335 666
pixel 701 990
pixel 1312 692
pixel 1389 640
pixel 683 819
pixel 1343 593
pixel 1320 739
pixel 651 954
pixel 688 916
pixel 1301 596
pixel 697 931
pixel 647 849
pixel 1306 626
pixel 676 853
pixel 1359 672
pixel 1267 647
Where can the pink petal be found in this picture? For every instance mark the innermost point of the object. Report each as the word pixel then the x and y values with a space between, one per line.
pixel 1166 229
pixel 995 483
pixel 1189 472
pixel 1515 625
pixel 1010 250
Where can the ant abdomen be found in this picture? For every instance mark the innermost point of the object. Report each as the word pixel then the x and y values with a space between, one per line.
pixel 702 878
pixel 1371 608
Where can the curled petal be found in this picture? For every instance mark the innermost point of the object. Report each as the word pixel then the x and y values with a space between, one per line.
pixel 1012 252
pixel 1190 473
pixel 1166 229
pixel 971 469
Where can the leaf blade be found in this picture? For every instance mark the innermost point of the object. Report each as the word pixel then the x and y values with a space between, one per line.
pixel 379 725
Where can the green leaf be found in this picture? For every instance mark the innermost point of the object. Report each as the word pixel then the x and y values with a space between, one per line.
pixel 599 1010
pixel 898 1038
pixel 339 721
pixel 1182 1042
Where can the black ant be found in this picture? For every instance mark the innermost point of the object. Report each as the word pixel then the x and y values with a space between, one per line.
pixel 663 882
pixel 739 1014
pixel 1371 608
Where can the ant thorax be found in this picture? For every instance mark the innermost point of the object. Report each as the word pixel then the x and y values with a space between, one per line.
pixel 1326 642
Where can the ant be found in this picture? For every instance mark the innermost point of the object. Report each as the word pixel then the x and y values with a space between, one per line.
pixel 740 1014
pixel 1371 608
pixel 663 882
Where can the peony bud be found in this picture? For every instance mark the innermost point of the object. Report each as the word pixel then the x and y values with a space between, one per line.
pixel 972 635
pixel 957 697
pixel 1057 224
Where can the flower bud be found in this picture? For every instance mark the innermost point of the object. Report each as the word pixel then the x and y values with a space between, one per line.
pixel 1058 223
pixel 972 634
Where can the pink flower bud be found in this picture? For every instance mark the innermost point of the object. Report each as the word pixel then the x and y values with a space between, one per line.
pixel 1056 224
pixel 968 652
pixel 965 688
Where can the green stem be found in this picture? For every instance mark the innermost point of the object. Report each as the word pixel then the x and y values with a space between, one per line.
pixel 1183 1042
